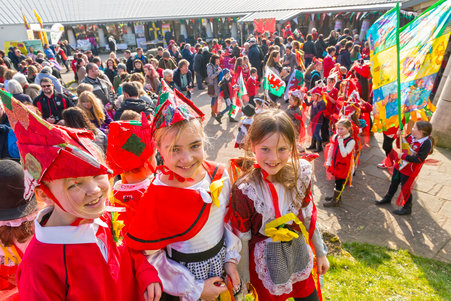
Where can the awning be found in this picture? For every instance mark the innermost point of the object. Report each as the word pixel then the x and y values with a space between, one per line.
pixel 280 15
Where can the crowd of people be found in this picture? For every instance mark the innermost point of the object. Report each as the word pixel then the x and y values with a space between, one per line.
pixel 115 197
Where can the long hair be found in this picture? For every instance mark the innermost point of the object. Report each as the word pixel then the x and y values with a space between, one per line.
pixel 239 62
pixel 271 122
pixel 76 118
pixel 272 55
pixel 9 235
pixel 96 112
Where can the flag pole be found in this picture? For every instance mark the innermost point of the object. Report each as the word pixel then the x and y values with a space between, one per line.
pixel 398 64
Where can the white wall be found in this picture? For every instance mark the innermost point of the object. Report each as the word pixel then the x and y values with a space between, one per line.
pixel 12 33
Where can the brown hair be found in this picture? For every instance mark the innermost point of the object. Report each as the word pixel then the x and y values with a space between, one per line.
pixel 84 87
pixel 271 57
pixel 137 77
pixel 269 122
pixel 76 118
pixel 129 115
pixel 426 128
pixel 346 123
pixel 8 235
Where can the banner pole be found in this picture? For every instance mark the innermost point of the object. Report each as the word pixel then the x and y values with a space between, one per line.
pixel 398 64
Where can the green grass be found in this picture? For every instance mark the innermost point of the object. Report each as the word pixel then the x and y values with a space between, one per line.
pixel 376 273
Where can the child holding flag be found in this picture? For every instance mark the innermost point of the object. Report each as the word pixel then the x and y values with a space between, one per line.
pixel 419 144
pixel 226 90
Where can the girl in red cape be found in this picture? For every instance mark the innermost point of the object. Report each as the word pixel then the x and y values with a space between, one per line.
pixel 272 204
pixel 409 165
pixel 180 219
pixel 339 162
pixel 74 254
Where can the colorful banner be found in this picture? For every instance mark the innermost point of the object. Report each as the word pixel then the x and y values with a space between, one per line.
pixel 422 45
pixel 273 83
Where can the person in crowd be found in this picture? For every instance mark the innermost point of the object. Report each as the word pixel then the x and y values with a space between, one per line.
pixel 111 69
pixel 167 62
pixel 76 118
pixel 121 77
pixel 51 103
pixel 309 50
pixel 138 66
pixel 15 88
pixel 32 72
pixel 112 44
pixel 329 61
pixel 366 51
pixel 274 64
pixel 17 58
pixel 183 78
pixel 61 55
pixel 3 70
pixel 198 67
pixel 355 54
pixel 226 91
pixel 289 60
pixel 209 250
pixel 160 51
pixel 252 85
pixel 16 225
pixel 46 72
pixel 140 56
pixel 102 88
pixel 408 167
pixel 152 79
pixel 213 71
pixel 275 194
pixel 128 60
pixel 132 101
pixel 316 118
pixel 320 47
pixel 6 59
pixel 340 160
pixel 189 56
pixel 168 76
pixel 344 57
pixel 94 110
pixel 81 70
pixel 346 35
pixel 255 57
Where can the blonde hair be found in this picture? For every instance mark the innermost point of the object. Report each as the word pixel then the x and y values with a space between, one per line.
pixel 270 122
pixel 179 127
pixel 96 112
pixel 346 123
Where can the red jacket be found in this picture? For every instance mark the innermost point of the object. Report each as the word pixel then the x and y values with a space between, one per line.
pixel 79 271
pixel 328 64
pixel 252 86
pixel 419 150
pixel 331 108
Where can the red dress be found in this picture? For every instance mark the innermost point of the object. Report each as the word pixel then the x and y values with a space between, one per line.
pixel 340 165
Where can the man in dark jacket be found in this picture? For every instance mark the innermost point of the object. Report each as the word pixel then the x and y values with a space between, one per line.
pixel 206 54
pixel 188 55
pixel 184 78
pixel 198 66
pixel 133 102
pixel 236 51
pixel 102 88
pixel 128 60
pixel 255 57
pixel 344 58
pixel 50 103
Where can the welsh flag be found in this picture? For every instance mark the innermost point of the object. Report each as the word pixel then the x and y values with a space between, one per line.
pixel 273 83
pixel 234 110
pixel 241 94
pixel 296 81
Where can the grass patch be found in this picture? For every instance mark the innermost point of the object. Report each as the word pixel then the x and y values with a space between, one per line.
pixel 368 272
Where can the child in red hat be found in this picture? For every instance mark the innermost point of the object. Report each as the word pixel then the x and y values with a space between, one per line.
pixel 74 254
pixel 180 219
pixel 131 154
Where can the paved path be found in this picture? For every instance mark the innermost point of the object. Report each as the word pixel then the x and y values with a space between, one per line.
pixel 427 232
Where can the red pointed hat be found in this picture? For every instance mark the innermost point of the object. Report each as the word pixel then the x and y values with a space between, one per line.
pixel 316 90
pixel 130 145
pixel 49 152
pixel 362 69
pixel 175 109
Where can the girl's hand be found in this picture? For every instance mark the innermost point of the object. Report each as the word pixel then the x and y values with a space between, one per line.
pixel 212 291
pixel 232 271
pixel 153 292
pixel 323 265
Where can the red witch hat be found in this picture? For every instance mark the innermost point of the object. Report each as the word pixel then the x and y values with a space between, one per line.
pixel 49 152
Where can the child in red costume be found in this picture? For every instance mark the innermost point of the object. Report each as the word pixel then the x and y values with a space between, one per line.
pixel 16 226
pixel 330 94
pixel 180 219
pixel 131 154
pixel 420 145
pixel 339 154
pixel 296 110
pixel 271 205
pixel 74 254
pixel 252 86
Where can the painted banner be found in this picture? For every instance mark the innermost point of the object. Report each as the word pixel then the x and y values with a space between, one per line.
pixel 422 46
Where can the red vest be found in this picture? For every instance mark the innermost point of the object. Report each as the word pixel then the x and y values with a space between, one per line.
pixel 340 164
pixel 409 168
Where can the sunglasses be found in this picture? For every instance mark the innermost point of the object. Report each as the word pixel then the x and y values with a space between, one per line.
pixel 45 86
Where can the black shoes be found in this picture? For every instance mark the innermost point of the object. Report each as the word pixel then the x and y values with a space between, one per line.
pixel 402 211
pixel 232 120
pixel 385 200
pixel 218 119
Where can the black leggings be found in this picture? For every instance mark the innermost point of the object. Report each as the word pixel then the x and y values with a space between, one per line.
pixel 387 145
pixel 312 297
pixel 339 184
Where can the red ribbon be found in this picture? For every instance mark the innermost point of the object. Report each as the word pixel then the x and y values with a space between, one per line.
pixel 166 171
pixel 272 189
